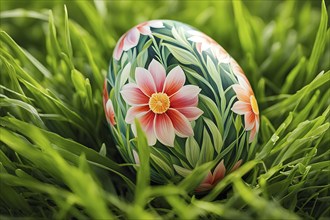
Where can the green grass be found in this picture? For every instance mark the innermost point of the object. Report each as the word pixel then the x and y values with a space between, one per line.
pixel 58 159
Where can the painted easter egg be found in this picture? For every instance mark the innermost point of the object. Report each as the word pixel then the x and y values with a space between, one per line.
pixel 190 97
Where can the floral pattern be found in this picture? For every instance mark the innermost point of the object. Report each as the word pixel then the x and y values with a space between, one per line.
pixel 246 105
pixel 108 106
pixel 179 84
pixel 131 38
pixel 163 105
pixel 218 174
pixel 204 43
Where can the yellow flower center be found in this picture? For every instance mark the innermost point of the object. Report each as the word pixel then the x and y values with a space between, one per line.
pixel 254 104
pixel 159 103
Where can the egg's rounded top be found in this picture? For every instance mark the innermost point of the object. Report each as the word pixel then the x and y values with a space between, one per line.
pixel 190 97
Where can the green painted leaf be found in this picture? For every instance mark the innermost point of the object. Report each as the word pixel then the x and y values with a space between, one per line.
pixel 214 109
pixel 182 55
pixel 215 75
pixel 164 37
pixel 181 170
pixel 179 35
pixel 207 150
pixel 162 165
pixel 192 151
pixel 125 74
pixel 216 135
pixel 238 123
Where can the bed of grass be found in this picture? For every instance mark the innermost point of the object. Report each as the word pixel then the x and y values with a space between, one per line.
pixel 58 160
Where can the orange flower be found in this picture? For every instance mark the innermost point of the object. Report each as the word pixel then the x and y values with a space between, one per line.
pixel 246 105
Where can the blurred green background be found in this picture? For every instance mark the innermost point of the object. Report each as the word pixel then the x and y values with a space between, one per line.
pixel 274 19
pixel 58 159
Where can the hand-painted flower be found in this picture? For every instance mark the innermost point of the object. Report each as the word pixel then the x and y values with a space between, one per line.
pixel 218 174
pixel 131 38
pixel 246 105
pixel 204 42
pixel 110 114
pixel 162 104
pixel 108 106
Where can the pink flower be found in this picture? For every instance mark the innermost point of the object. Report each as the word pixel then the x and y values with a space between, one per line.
pixel 218 174
pixel 131 38
pixel 246 105
pixel 162 104
pixel 108 106
pixel 204 42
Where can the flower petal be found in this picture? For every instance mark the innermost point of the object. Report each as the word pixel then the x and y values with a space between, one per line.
pixel 144 29
pixel 105 93
pixel 199 48
pixel 206 183
pixel 147 124
pixel 197 39
pixel 253 133
pixel 255 129
pixel 204 187
pixel 174 81
pixel 219 172
pixel 191 113
pixel 223 58
pixel 180 123
pixel 119 48
pixel 145 81
pixel 244 82
pixel 158 73
pixel 156 24
pixel 236 68
pixel 236 166
pixel 241 92
pixel 136 112
pixel 187 96
pixel 110 113
pixel 241 108
pixel 164 129
pixel 195 33
pixel 221 54
pixel 257 122
pixel 131 39
pixel 205 45
pixel 208 179
pixel 249 120
pixel 133 95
